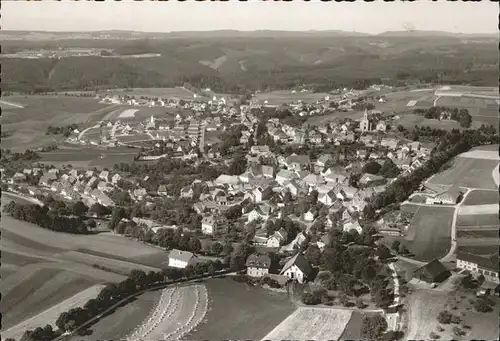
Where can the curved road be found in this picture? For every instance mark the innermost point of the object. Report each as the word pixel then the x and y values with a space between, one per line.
pixel 496 175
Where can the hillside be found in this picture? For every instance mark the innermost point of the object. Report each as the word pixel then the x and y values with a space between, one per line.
pixel 231 61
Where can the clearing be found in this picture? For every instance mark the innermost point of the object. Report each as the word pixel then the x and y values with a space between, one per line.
pixel 429 233
pixel 468 172
pixel 478 197
pixel 50 316
pixel 250 313
pixel 312 324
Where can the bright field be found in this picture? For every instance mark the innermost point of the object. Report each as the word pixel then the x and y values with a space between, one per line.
pixel 30 123
pixel 468 172
pixel 429 234
pixel 239 311
pixel 50 315
pixel 312 324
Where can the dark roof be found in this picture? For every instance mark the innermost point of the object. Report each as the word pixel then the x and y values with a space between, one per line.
pixel 258 261
pixel 300 261
pixel 484 262
pixel 432 270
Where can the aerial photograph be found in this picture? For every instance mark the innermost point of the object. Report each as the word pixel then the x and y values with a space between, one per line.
pixel 259 170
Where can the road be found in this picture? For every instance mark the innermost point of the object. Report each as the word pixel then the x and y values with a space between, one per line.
pixel 87 129
pixel 496 175
pixel 394 319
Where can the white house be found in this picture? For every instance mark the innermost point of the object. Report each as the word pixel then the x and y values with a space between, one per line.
pixel 180 259
pixel 353 225
pixel 297 268
pixel 479 265
pixel 277 239
pixel 309 216
pixel 258 265
pixel 207 225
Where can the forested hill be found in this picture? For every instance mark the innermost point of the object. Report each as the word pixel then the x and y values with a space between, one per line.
pixel 233 63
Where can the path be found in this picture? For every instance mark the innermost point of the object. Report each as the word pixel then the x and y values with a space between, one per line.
pixel 27 198
pixel 450 256
pixel 87 129
pixel 12 104
pixel 394 319
pixel 496 175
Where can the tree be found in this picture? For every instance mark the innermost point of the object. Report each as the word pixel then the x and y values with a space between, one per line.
pixel 79 209
pixel 238 166
pixel 313 254
pixel 373 327
pixel 234 212
pixel 194 244
pixel 389 169
pixel 482 305
pixel 99 210
pixel 444 317
pixel 217 248
pixel 371 167
pixel 395 245
pixel 383 252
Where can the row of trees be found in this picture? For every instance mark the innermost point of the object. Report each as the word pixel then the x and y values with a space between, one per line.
pixel 462 116
pixel 64 130
pixel 43 217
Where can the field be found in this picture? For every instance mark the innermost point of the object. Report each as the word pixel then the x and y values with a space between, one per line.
pixel 352 330
pixel 410 120
pixel 240 311
pixel 29 124
pixel 84 157
pixel 164 314
pixel 477 220
pixel 43 268
pixel 478 197
pixel 50 315
pixel 429 234
pixel 280 97
pixel 128 113
pixel 178 92
pixel 487 209
pixel 312 323
pixel 468 172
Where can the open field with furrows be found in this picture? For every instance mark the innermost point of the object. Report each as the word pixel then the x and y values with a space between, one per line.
pixel 478 197
pixel 280 97
pixel 480 233
pixel 166 93
pixel 29 124
pixel 468 172
pixel 479 249
pixel 239 311
pixel 312 323
pixel 478 241
pixel 122 321
pixel 429 233
pixel 50 315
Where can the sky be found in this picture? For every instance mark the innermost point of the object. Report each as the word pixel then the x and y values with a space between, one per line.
pixel 152 16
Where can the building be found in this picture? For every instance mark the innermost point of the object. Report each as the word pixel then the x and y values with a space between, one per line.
pixel 366 124
pixel 180 259
pixel 278 238
pixel 258 265
pixel 450 196
pixel 432 272
pixel 297 268
pixel 479 265
pixel 208 225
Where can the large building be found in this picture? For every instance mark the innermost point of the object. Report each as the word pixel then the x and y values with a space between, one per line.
pixel 258 265
pixel 432 272
pixel 487 266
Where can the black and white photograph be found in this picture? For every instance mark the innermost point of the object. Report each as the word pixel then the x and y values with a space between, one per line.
pixel 249 170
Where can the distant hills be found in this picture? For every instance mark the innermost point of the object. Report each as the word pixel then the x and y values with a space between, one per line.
pixel 118 34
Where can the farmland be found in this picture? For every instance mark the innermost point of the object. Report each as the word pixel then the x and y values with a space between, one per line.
pixel 178 92
pixel 312 323
pixel 475 220
pixel 250 313
pixel 429 233
pixel 468 172
pixel 352 330
pixel 280 97
pixel 478 197
pixel 28 124
pixel 44 269
pixel 50 315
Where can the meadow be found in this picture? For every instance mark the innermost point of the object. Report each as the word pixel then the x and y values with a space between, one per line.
pixel 177 92
pixel 468 172
pixel 281 97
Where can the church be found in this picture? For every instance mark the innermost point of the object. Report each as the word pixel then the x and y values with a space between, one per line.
pixel 370 124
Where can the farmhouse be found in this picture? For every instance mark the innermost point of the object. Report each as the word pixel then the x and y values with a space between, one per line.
pixel 479 265
pixel 449 196
pixel 432 272
pixel 258 265
pixel 277 239
pixel 297 268
pixel 180 259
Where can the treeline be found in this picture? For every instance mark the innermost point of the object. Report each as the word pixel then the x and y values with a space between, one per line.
pixel 450 145
pixel 43 217
pixel 462 116
pixel 28 155
pixel 65 130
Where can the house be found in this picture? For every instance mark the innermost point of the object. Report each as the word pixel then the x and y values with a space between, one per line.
pixel 260 194
pixel 371 180
pixel 278 238
pixel 115 178
pixel 180 259
pixel 258 265
pixel 427 147
pixel 450 196
pixel 162 190
pixel 18 177
pixel 260 240
pixel 104 175
pixel 328 198
pixel 224 179
pixel 140 193
pixel 297 162
pixel 297 268
pixel 381 126
pixel 187 192
pixel 267 172
pixel 333 176
pixel 479 265
pixel 295 188
pixel 314 180
pixel 390 143
pixel 262 211
pixel 285 175
pixel 309 216
pixel 432 272
pixel 323 241
pixel 199 207
pixel 208 224
pixel 352 225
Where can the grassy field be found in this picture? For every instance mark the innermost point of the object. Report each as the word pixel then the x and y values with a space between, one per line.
pixel 468 172
pixel 178 92
pixel 280 97
pixel 250 313
pixel 478 197
pixel 478 233
pixel 486 209
pixel 43 269
pixel 312 323
pixel 479 249
pixel 352 330
pixel 428 236
pixel 29 124
pixel 477 220
pixel 410 120
pixel 122 320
